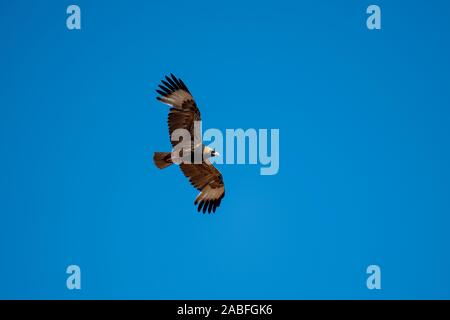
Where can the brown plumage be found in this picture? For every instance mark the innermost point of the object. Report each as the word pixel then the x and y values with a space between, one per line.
pixel 182 115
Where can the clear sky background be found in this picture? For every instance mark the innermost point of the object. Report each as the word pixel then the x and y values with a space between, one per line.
pixel 364 150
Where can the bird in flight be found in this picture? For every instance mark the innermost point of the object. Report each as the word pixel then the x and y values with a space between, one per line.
pixel 183 113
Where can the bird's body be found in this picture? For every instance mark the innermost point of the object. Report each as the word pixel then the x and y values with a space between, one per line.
pixel 193 156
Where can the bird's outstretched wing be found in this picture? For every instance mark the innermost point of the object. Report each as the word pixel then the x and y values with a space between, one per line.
pixel 183 111
pixel 206 178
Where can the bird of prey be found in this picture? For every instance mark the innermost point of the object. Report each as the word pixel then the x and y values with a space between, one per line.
pixel 202 174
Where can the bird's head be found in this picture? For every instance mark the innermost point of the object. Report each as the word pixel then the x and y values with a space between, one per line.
pixel 211 152
pixel 214 153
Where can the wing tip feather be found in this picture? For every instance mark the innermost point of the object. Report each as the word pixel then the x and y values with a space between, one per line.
pixel 170 84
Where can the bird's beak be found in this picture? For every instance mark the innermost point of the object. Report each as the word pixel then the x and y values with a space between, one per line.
pixel 216 154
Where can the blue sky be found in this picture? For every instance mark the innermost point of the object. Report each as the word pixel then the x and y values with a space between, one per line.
pixel 364 130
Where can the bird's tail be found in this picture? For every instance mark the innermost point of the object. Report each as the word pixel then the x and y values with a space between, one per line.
pixel 162 159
